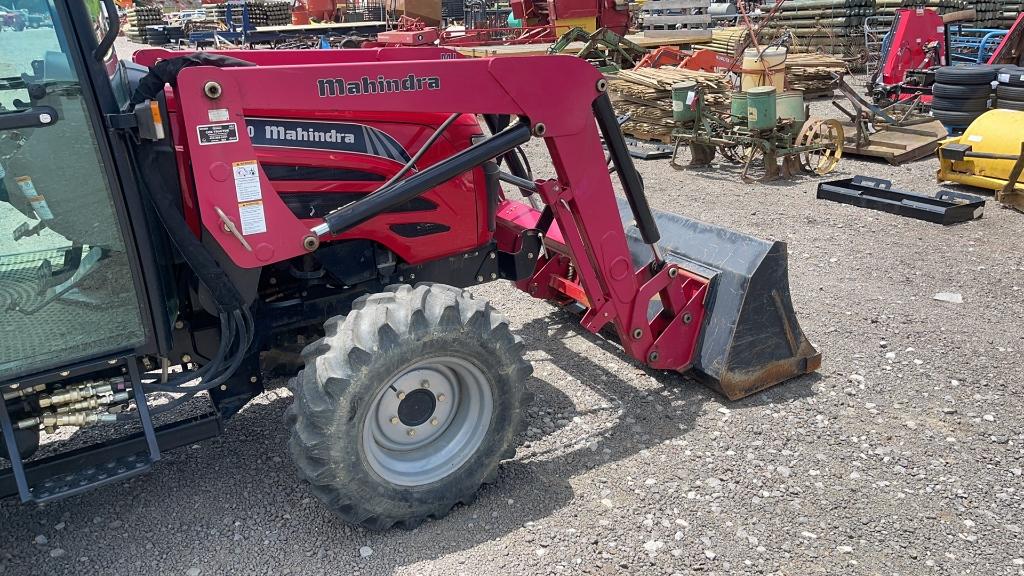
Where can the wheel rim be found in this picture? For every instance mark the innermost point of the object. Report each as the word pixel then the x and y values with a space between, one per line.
pixel 827 136
pixel 426 422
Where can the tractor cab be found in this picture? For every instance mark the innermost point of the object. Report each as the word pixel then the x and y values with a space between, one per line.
pixel 67 286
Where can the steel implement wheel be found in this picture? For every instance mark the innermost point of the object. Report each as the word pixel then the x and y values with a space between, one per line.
pixel 825 137
pixel 408 405
pixel 732 154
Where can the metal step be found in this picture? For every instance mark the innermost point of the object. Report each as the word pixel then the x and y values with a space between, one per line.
pixel 82 472
pixel 80 481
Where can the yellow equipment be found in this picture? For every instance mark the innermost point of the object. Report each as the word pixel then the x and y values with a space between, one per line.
pixel 985 155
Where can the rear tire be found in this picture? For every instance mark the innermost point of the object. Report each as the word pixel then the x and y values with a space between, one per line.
pixel 350 433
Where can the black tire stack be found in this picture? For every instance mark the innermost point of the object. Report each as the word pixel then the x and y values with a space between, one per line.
pixel 1010 91
pixel 156 36
pixel 174 33
pixel 961 94
pixel 140 19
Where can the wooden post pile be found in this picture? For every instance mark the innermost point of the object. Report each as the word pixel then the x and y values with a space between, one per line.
pixel 261 12
pixel 139 17
pixel 646 95
pixel 1010 11
pixel 727 40
pixel 825 26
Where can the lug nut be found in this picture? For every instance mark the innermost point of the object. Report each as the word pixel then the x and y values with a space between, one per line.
pixel 440 397
pixel 433 422
pixel 425 384
pixel 401 395
pixel 411 432
pixel 395 420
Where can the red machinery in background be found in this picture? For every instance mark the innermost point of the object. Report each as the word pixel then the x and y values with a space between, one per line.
pixel 915 43
pixel 565 14
pixel 918 42
pixel 543 21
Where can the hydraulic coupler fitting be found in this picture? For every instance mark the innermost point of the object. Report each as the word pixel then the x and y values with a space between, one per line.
pixel 80 419
pixel 76 393
pixel 94 402
pixel 24 392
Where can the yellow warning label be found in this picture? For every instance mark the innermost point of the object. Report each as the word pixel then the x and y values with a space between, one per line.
pixel 252 217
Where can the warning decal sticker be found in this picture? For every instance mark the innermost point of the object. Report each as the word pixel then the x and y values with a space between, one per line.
pixel 251 215
pixel 250 198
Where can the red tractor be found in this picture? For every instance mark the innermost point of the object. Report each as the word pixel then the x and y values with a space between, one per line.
pixel 175 224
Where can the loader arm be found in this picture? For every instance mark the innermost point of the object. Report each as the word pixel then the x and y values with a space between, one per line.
pixel 581 197
pixel 657 307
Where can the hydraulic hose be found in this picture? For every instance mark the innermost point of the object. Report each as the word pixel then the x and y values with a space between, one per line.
pixel 419 154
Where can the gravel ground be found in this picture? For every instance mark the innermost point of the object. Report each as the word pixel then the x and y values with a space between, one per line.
pixel 902 455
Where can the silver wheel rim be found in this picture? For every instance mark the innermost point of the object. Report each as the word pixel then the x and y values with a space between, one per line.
pixel 409 445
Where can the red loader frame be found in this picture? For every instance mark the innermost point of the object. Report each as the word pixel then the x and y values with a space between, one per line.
pixel 589 259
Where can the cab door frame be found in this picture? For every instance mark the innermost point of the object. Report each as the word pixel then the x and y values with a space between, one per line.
pixel 98 96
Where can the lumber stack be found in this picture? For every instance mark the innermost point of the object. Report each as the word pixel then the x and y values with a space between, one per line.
pixel 139 18
pixel 812 73
pixel 833 27
pixel 989 11
pixel 646 95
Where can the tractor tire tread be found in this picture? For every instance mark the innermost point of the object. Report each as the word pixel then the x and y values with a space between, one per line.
pixel 342 372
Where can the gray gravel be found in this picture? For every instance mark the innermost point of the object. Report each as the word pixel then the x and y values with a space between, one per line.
pixel 902 455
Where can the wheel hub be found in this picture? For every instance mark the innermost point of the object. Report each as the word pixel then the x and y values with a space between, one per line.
pixel 417 407
pixel 427 421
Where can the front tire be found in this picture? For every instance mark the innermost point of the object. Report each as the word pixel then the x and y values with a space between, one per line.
pixel 408 405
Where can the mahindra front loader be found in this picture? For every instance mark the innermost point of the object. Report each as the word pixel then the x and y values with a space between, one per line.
pixel 172 228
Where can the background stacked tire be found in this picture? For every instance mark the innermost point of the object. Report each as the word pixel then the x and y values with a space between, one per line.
pixel 156 35
pixel 961 94
pixel 174 33
pixel 1010 91
pixel 140 18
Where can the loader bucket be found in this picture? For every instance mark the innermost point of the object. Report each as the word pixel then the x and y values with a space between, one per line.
pixel 751 338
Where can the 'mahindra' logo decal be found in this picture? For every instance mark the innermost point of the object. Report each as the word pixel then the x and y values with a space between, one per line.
pixel 340 87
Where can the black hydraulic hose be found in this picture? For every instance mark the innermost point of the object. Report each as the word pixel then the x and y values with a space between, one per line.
pixel 412 187
pixel 419 154
pixel 236 322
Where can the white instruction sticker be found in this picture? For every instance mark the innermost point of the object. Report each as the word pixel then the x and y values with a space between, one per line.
pixel 247 180
pixel 219 115
pixel 1004 78
pixel 251 215
pixel 974 138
